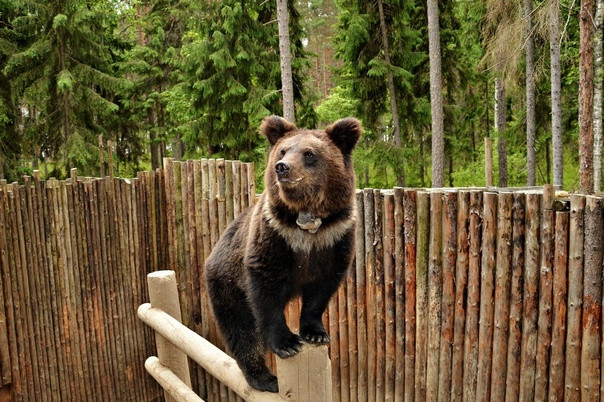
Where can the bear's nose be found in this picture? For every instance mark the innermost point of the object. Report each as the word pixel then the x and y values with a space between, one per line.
pixel 282 168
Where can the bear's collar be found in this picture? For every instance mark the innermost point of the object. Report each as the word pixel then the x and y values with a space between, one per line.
pixel 307 221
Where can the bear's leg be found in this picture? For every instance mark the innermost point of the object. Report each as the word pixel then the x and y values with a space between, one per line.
pixel 315 297
pixel 236 323
pixel 268 302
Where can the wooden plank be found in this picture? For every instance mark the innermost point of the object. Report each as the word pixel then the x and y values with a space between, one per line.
pixel 389 296
pixel 410 231
pixel 544 323
pixel 380 322
pixel 556 368
pixel 530 306
pixel 592 300
pixel 487 282
pixel 421 292
pixel 502 295
pixel 35 299
pixel 461 283
pixel 361 297
pixel 516 299
pixel 368 204
pixel 448 295
pixel 236 168
pixel 228 190
pixel 435 284
pixel 399 295
pixel 5 300
pixel 472 317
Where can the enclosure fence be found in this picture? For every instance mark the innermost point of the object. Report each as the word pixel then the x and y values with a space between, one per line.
pixel 455 293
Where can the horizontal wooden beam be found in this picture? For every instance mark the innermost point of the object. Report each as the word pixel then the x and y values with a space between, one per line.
pixel 170 382
pixel 208 356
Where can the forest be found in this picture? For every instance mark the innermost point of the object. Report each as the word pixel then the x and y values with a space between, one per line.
pixel 194 79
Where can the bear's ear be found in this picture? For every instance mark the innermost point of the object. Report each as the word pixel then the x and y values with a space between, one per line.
pixel 345 133
pixel 275 127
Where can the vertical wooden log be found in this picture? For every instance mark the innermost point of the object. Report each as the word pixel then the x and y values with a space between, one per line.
pixel 380 324
pixel 361 298
pixel 592 300
pixel 163 295
pixel 435 285
pixel 472 323
pixel 487 277
pixel 461 283
pixel 448 296
pixel 335 351
pixel 530 306
pixel 544 331
pixel 389 296
pixel 344 384
pixel 236 188
pixel 556 369
pixel 7 339
pixel 251 184
pixel 502 295
pixel 399 295
pixel 421 309
pixel 228 190
pixel 368 204
pixel 410 230
pixel 213 193
pixel 516 300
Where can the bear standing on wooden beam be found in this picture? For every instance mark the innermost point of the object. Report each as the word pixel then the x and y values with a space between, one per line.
pixel 298 240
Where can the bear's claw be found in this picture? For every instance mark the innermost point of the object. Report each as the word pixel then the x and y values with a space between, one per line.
pixel 287 346
pixel 315 337
pixel 266 383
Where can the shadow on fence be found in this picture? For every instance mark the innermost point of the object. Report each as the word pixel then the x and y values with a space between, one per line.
pixel 456 293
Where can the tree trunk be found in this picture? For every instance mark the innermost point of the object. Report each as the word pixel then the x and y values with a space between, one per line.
pixel 400 174
pixel 586 92
pixel 554 46
pixel 530 94
pixel 287 83
pixel 178 148
pixel 436 98
pixel 500 124
pixel 598 97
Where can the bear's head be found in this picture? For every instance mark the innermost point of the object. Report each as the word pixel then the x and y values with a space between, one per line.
pixel 311 171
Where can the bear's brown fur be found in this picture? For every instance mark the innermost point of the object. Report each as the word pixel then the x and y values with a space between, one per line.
pixel 297 240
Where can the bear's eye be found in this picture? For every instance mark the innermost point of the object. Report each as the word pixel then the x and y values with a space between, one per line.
pixel 309 155
pixel 283 152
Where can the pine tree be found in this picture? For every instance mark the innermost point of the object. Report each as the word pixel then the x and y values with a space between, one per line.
pixel 63 74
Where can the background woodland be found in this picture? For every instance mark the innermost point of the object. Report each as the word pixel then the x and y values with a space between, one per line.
pixel 191 79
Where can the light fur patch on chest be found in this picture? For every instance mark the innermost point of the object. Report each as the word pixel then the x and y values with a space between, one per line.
pixel 301 240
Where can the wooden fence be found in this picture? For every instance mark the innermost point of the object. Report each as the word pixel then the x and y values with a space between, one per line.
pixel 456 294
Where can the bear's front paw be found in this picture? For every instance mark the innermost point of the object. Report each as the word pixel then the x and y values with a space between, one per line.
pixel 315 334
pixel 286 346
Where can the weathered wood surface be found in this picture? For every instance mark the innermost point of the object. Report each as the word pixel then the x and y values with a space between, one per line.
pixel 421 314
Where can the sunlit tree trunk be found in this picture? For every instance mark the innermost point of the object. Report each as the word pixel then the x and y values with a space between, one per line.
pixel 500 125
pixel 400 174
pixel 598 97
pixel 436 98
pixel 554 46
pixel 586 93
pixel 530 94
pixel 287 83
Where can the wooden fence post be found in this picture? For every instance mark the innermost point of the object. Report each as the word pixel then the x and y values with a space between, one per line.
pixel 306 377
pixel 163 295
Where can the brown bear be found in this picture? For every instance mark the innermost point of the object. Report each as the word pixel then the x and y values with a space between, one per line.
pixel 298 240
